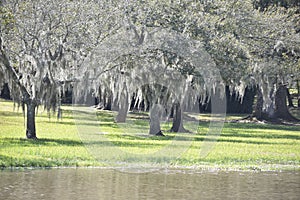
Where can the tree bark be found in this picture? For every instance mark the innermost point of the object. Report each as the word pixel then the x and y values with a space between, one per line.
pixel 108 105
pixel 290 99
pixel 177 125
pixel 258 111
pixel 30 125
pixel 281 109
pixel 298 91
pixel 155 116
pixel 123 108
pixel 105 100
pixel 264 114
pixel 278 112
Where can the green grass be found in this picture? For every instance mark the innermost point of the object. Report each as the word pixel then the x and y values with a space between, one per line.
pixel 59 144
pixel 95 140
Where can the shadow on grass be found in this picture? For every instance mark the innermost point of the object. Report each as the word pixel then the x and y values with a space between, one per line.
pixel 135 141
pixel 262 126
pixel 228 140
pixel 101 118
pixel 73 123
pixel 262 136
pixel 40 141
pixel 10 114
pixel 143 137
pixel 124 141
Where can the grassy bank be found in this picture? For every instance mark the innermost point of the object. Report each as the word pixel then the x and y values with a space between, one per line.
pixel 74 142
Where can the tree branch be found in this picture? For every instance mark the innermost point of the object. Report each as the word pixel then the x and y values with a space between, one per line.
pixel 12 72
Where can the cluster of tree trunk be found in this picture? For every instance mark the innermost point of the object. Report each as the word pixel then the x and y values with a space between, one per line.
pixel 278 110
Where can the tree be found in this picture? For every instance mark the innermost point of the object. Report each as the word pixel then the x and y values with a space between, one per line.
pixel 252 48
pixel 278 66
pixel 168 64
pixel 44 43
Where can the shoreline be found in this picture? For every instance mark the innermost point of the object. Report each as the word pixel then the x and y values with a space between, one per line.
pixel 202 168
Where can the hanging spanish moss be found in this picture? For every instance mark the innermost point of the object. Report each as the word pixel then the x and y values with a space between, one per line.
pixel 151 65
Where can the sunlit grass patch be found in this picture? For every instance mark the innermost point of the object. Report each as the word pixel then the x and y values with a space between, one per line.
pixel 239 145
pixel 58 144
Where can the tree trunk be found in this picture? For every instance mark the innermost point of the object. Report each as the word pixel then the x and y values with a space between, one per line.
pixel 5 93
pixel 281 109
pixel 155 116
pixel 108 105
pixel 298 91
pixel 105 100
pixel 277 112
pixel 30 128
pixel 123 108
pixel 177 125
pixel 290 99
pixel 258 110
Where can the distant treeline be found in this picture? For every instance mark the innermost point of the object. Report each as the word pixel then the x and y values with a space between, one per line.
pixel 234 103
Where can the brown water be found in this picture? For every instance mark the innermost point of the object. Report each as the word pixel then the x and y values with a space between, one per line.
pixel 76 184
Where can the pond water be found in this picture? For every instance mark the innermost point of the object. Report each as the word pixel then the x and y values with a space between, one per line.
pixel 161 184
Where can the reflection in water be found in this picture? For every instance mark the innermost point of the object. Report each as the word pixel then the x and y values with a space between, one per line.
pixel 88 184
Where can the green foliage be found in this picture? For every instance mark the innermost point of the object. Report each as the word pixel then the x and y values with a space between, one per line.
pixel 238 37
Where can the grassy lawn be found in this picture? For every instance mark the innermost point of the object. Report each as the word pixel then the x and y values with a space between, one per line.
pixel 95 140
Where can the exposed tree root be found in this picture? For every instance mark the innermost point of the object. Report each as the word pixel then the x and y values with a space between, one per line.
pixel 32 138
pixel 277 121
pixel 160 134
